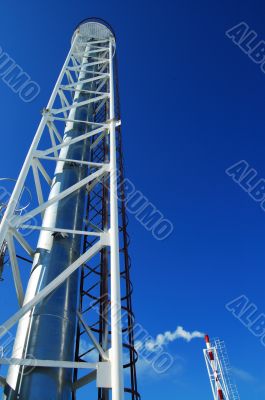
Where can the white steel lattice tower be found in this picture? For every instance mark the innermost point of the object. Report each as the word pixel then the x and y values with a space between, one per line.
pixel 75 322
pixel 219 371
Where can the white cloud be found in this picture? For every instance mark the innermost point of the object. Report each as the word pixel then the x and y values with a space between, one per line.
pixel 145 369
pixel 243 375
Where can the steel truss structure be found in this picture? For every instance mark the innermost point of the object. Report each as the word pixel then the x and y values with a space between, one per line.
pixel 79 214
pixel 218 369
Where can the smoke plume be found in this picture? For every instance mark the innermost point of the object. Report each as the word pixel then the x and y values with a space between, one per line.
pixel 167 337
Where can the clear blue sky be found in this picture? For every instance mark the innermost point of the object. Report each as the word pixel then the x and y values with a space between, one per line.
pixel 192 105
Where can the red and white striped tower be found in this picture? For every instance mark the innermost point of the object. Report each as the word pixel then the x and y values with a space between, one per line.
pixel 215 372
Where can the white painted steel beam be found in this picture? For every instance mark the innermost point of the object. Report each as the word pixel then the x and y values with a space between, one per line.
pixel 92 337
pixel 116 330
pixel 27 362
pixel 85 380
pixel 52 286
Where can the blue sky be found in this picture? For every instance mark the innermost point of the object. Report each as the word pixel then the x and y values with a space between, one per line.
pixel 192 105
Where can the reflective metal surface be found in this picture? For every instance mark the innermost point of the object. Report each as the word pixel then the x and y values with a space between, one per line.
pixel 49 331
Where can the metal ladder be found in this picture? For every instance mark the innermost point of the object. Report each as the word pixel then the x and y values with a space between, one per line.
pixel 227 369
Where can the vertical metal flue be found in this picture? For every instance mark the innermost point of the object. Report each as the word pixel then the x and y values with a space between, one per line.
pixel 48 332
pixel 54 321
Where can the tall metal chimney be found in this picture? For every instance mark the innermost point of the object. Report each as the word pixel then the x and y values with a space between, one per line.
pixel 80 262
